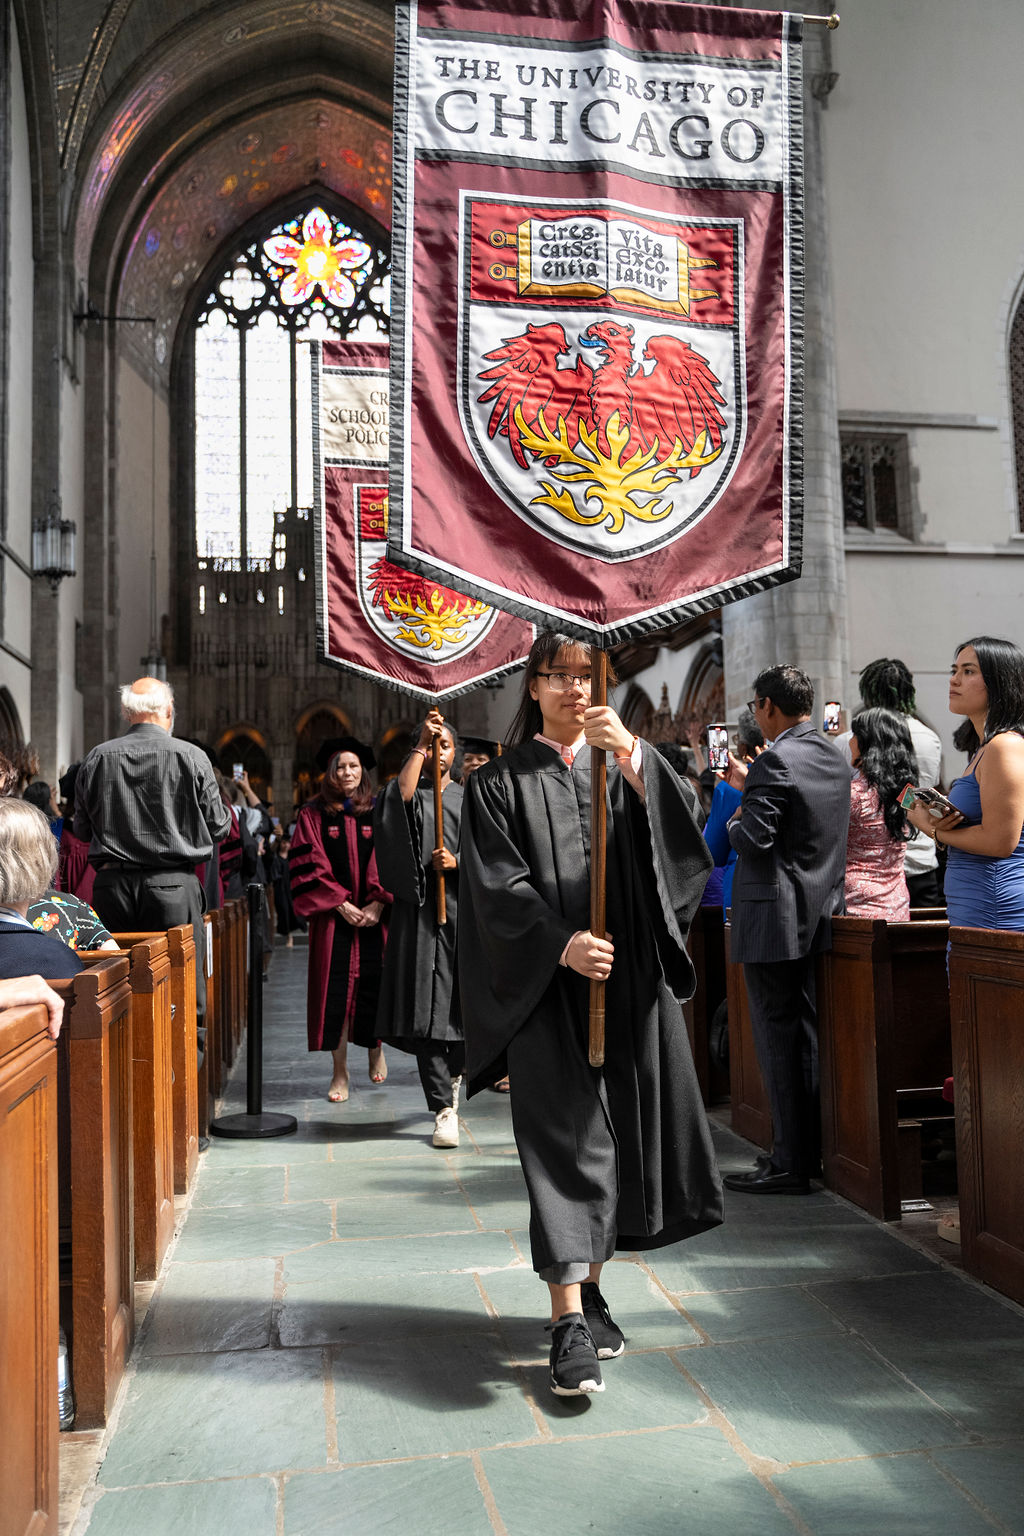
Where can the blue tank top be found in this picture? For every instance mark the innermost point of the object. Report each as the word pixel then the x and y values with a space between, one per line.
pixel 982 892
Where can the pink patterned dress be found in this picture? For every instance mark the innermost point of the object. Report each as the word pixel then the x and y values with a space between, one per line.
pixel 875 886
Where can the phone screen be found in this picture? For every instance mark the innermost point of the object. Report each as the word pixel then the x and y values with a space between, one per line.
pixel 831 721
pixel 238 770
pixel 718 748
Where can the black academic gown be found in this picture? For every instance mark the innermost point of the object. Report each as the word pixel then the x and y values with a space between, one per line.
pixel 526 890
pixel 418 995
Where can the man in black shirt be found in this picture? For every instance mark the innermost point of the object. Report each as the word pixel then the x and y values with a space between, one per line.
pixel 149 808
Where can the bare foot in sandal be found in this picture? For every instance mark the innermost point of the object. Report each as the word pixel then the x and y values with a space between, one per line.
pixel 378 1066
pixel 337 1093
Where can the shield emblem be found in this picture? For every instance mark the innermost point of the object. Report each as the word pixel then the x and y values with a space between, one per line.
pixel 602 386
pixel 415 616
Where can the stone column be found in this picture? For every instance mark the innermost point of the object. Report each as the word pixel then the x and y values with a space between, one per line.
pixel 804 622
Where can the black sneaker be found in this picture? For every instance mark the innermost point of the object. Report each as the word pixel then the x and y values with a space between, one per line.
pixel 574 1367
pixel 607 1335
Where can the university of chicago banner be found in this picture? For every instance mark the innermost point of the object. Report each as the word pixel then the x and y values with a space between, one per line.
pixel 598 281
pixel 373 618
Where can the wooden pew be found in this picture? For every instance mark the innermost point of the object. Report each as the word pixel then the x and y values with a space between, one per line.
pixel 884 1053
pixel 96 1170
pixel 152 1105
pixel 707 951
pixel 181 952
pixel 751 1114
pixel 29 1423
pixel 241 954
pixel 986 972
pixel 216 1070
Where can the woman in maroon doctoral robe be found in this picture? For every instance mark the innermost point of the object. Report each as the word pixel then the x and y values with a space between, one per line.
pixel 334 884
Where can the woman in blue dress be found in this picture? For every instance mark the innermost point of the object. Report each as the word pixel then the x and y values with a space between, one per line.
pixel 985 837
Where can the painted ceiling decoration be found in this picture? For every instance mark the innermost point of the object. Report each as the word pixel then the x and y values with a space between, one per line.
pixel 146 68
pixel 231 178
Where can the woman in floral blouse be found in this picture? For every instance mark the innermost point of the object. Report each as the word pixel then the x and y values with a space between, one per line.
pixel 883 762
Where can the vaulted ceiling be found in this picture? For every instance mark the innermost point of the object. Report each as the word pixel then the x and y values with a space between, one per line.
pixel 181 120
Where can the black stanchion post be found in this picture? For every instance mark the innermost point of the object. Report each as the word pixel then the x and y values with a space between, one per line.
pixel 254 1123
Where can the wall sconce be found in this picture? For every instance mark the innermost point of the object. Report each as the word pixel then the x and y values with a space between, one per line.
pixel 53 546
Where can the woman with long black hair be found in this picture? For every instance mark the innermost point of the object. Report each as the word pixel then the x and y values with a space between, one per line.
pixel 883 760
pixel 618 1157
pixel 985 834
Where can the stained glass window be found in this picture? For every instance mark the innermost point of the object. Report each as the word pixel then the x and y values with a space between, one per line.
pixel 310 277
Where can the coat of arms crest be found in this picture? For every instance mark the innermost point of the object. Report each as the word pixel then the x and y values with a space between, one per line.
pixel 602 387
pixel 417 617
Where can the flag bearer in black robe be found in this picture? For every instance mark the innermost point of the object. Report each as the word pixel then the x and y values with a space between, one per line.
pixel 618 1157
pixel 418 1009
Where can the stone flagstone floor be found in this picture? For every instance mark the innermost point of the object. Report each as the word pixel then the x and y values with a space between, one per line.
pixel 347 1337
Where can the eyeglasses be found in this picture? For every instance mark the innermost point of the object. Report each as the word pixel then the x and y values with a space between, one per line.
pixel 753 703
pixel 561 682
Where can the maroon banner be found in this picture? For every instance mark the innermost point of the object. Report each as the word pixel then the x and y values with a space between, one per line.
pixel 598 274
pixel 386 623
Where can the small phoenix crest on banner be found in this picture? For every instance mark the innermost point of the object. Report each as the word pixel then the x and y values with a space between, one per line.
pixel 412 613
pixel 601 382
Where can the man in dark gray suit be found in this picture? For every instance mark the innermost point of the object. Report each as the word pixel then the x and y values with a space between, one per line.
pixel 790 834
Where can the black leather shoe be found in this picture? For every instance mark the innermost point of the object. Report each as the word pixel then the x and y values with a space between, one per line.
pixel 766 1181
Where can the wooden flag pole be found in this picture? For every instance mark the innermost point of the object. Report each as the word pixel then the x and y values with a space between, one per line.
pixel 442 907
pixel 598 851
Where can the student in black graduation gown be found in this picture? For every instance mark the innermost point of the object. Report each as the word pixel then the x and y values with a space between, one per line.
pixel 418 1009
pixel 618 1157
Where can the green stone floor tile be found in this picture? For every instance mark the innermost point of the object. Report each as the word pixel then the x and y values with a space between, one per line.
pixel 640 1392
pixel 348 1309
pixel 762 1314
pixel 973 1367
pixel 731 1258
pixel 994 1475
pixel 816 1397
pixel 240 1186
pixel 463 1251
pixel 422 1396
pixel 211 1307
pixel 250 1232
pixel 681 1482
pixel 229 1152
pixel 189 1509
pixel 438 1497
pixel 889 1494
pixel 389 1180
pixel 227 1415
pixel 401 1218
pixel 646 1316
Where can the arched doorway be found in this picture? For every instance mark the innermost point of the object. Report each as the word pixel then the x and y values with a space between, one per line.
pixel 314 726
pixel 245 745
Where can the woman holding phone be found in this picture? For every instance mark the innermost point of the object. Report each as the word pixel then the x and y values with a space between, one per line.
pixel 985 832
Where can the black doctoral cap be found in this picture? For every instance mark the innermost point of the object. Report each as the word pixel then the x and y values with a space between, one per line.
pixel 479 744
pixel 352 744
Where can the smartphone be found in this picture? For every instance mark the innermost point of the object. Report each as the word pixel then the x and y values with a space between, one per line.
pixel 238 770
pixel 718 748
pixel 935 803
pixel 831 721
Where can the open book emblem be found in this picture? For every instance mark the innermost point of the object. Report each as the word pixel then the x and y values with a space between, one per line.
pixel 602 387
pixel 416 616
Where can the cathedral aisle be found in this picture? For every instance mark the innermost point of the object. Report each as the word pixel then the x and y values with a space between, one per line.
pixel 347 1337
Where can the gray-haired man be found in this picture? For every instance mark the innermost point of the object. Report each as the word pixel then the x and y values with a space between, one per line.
pixel 150 810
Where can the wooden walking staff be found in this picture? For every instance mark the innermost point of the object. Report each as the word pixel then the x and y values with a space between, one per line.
pixel 598 852
pixel 442 908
